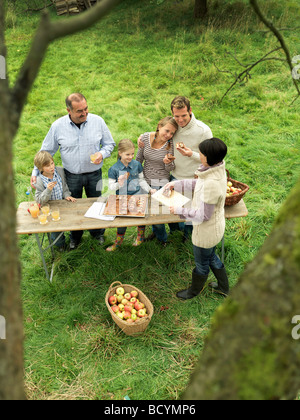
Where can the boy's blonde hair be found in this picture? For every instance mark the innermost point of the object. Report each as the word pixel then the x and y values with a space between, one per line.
pixel 125 145
pixel 42 159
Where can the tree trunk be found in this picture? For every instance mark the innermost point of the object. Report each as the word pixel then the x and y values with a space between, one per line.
pixel 12 102
pixel 250 353
pixel 200 9
pixel 11 348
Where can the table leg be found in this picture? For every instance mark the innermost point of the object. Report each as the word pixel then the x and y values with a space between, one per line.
pixel 42 255
pixel 42 251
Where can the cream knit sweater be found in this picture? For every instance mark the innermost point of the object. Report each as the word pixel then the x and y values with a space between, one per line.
pixel 191 135
pixel 210 189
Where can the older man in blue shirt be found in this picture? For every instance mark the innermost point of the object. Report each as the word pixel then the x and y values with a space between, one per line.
pixel 78 135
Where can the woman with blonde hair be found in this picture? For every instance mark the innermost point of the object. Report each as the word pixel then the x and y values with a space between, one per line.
pixel 158 158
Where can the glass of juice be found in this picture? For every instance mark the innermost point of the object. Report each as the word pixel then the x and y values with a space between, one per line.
pixel 93 157
pixel 43 219
pixel 34 210
pixel 46 210
pixel 55 215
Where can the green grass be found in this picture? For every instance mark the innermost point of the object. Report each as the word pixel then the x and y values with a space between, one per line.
pixel 130 66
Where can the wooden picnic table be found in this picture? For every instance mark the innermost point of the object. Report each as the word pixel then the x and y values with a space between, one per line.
pixel 72 219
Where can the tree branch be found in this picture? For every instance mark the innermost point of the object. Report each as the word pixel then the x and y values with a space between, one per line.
pixel 245 74
pixel 278 35
pixel 46 33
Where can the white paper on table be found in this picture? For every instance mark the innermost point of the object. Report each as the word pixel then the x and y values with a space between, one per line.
pixel 96 212
pixel 175 200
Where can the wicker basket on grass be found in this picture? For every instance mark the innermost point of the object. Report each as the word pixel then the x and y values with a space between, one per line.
pixel 141 324
pixel 234 199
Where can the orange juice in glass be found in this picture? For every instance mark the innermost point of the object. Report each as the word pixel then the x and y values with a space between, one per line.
pixel 55 215
pixel 93 157
pixel 34 210
pixel 46 210
pixel 43 219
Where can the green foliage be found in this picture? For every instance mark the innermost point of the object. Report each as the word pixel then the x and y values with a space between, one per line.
pixel 130 66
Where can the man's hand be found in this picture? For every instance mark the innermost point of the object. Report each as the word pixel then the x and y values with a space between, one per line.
pixel 72 199
pixel 185 151
pixel 99 158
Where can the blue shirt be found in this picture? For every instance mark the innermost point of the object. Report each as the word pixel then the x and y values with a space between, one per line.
pixel 77 144
pixel 134 168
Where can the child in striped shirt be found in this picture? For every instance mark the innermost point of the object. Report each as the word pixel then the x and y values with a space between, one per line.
pixel 51 185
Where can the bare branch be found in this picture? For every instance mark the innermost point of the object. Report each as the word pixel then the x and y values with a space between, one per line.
pixel 278 35
pixel 245 74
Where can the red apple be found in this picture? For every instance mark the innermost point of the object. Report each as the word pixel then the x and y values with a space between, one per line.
pixel 124 301
pixel 112 300
pixel 139 305
pixel 127 308
pixel 134 294
pixel 141 313
pixel 130 321
pixel 127 315
pixel 121 307
pixel 133 300
pixel 115 309
pixel 127 296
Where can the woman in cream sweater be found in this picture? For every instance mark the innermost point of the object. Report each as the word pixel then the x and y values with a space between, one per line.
pixel 207 215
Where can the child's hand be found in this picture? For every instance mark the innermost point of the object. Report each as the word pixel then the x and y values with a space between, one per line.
pixel 122 179
pixel 51 185
pixel 72 199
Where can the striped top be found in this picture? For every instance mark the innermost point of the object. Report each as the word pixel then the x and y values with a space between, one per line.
pixel 156 173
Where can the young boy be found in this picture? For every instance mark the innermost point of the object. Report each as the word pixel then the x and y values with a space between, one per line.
pixel 51 185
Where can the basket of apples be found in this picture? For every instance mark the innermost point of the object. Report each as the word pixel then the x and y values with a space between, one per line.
pixel 235 191
pixel 129 307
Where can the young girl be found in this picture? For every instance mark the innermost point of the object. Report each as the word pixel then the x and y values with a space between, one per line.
pixel 126 178
pixel 207 215
pixel 51 185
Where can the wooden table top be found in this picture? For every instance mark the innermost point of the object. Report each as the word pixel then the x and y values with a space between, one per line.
pixel 72 217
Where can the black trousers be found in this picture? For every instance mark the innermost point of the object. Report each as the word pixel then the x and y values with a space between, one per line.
pixel 92 184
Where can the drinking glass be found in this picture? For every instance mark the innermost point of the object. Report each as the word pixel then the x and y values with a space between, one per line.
pixel 46 210
pixel 55 215
pixel 43 219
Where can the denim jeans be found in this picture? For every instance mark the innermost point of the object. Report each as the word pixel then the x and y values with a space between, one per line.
pixel 206 258
pixel 92 184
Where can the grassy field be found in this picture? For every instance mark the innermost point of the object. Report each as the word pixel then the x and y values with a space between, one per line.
pixel 130 66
